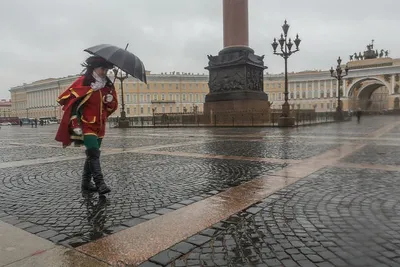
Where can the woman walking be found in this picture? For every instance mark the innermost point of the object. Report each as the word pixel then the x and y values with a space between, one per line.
pixel 87 103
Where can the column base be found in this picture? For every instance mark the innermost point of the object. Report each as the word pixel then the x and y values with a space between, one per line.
pixel 286 121
pixel 339 115
pixel 123 123
pixel 236 73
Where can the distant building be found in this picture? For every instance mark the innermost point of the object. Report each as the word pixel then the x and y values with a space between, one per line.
pixel 5 108
pixel 372 83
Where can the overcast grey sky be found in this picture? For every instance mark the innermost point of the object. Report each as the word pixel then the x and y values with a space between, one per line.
pixel 46 38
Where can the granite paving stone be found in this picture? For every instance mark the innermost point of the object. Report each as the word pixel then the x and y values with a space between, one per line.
pixel 48 195
pixel 278 148
pixel 334 217
pixel 329 198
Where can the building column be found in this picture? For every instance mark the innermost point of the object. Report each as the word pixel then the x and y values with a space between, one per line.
pixel 344 89
pixel 312 88
pixel 307 96
pixel 392 89
pixel 319 89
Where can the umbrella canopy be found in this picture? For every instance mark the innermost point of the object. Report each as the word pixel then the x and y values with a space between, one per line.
pixel 121 58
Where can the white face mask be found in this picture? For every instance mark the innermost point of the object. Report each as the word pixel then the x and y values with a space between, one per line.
pixel 97 77
pixel 99 83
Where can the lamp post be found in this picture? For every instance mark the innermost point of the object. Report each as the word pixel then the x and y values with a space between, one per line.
pixel 285 52
pixel 122 122
pixel 338 74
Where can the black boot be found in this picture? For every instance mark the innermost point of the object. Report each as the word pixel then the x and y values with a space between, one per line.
pixel 87 184
pixel 94 163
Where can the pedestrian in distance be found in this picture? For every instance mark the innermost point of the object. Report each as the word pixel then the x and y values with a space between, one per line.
pixel 358 114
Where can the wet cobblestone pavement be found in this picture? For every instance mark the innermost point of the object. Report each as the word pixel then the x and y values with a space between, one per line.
pixel 345 214
pixel 49 195
pixel 277 148
pixel 334 217
pixel 376 154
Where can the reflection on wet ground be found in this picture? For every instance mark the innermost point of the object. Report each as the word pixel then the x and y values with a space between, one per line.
pixel 155 172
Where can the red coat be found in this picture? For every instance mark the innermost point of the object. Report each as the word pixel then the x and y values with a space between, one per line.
pixel 92 111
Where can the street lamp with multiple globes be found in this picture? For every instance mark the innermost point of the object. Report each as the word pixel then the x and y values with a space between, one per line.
pixel 286 51
pixel 122 122
pixel 338 74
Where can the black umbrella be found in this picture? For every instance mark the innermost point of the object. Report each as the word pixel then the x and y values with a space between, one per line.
pixel 121 58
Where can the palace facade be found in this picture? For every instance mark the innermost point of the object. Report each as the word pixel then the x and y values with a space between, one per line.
pixel 371 84
pixel 5 108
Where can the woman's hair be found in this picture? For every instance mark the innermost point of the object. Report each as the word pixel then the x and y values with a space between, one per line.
pixel 88 76
pixel 90 64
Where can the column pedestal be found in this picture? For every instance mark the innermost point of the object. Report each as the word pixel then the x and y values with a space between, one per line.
pixel 286 120
pixel 123 122
pixel 236 81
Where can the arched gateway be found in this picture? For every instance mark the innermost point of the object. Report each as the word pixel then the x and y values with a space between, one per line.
pixel 369 93
pixel 373 81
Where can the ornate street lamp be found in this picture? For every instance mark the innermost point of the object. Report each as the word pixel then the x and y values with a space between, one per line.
pixel 286 51
pixel 122 122
pixel 338 74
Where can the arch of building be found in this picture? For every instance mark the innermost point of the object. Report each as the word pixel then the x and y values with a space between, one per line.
pixel 396 103
pixel 360 95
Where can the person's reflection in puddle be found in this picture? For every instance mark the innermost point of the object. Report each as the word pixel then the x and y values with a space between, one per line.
pixel 96 214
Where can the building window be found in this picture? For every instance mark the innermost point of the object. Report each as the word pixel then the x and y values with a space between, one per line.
pixel 177 109
pixel 322 94
pixel 134 110
pixel 163 109
pixel 184 97
pixel 170 97
pixel 190 97
pixel 128 111
pixel 170 109
pixel 141 98
pixel 162 97
pixel 141 110
pixel 134 99
pixel 148 99
pixel 304 94
pixel 177 97
pixel 128 98
pixel 155 97
pixel 197 98
pixel 148 110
